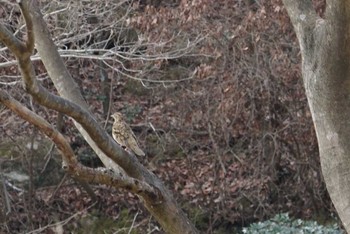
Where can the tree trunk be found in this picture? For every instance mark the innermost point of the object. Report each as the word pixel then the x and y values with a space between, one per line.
pixel 325 49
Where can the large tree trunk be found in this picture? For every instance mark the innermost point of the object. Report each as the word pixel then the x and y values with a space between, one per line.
pixel 325 48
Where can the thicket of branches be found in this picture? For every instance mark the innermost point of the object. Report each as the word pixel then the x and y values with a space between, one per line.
pixel 214 90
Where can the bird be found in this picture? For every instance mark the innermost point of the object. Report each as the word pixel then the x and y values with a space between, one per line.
pixel 124 136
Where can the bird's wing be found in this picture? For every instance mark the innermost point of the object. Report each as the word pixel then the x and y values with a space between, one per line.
pixel 132 142
pixel 119 133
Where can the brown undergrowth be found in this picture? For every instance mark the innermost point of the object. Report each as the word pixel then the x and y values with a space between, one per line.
pixel 226 126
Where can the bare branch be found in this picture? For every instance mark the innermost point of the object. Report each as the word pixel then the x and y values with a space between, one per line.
pixel 43 125
pixel 78 113
pixel 29 24
pixel 155 196
pixel 101 175
pixel 82 116
pixel 15 45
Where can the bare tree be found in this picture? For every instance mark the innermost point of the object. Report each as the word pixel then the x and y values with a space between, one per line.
pixel 325 50
pixel 122 169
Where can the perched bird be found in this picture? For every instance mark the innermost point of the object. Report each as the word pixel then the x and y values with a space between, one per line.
pixel 124 136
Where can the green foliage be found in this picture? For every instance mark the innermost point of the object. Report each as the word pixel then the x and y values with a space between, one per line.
pixel 281 223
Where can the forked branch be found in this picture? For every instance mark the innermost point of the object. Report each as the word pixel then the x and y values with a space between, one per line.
pixel 70 163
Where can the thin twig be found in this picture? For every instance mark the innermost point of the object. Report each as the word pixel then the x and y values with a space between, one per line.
pixel 61 223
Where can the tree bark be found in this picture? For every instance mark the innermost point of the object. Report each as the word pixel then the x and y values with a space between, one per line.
pixel 325 51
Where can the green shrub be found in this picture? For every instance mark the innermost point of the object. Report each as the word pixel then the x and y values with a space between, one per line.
pixel 282 224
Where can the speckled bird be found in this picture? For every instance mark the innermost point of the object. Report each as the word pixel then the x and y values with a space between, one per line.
pixel 124 136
